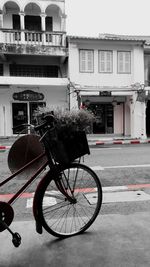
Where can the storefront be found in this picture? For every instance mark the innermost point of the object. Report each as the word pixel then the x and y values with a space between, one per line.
pixel 19 102
pixel 23 110
pixel 109 112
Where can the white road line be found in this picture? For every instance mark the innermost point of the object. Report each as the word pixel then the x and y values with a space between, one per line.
pixel 114 188
pixel 97 168
pixel 127 166
pixel 100 168
pixel 106 148
pixel 126 196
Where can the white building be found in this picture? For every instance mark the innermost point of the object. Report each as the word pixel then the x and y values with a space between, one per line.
pixel 33 59
pixel 106 75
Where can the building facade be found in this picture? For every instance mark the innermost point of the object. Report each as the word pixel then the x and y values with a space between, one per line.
pixel 107 77
pixel 33 60
pixel 41 66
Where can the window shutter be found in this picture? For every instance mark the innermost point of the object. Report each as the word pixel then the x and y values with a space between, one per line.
pixel 102 61
pixel 105 61
pixel 89 61
pixel 108 61
pixel 120 61
pixel 127 62
pixel 124 62
pixel 86 60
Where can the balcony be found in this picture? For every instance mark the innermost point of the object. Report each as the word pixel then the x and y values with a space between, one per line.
pixel 32 42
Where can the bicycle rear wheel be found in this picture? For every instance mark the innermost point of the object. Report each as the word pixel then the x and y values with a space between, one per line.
pixel 61 217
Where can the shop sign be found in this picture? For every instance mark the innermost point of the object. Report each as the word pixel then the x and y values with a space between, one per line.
pixel 28 95
pixel 105 93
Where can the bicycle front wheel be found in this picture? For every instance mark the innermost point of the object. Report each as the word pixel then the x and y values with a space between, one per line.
pixel 62 217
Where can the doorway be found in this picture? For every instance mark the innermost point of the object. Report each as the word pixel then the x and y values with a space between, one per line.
pixel 24 113
pixel 104 118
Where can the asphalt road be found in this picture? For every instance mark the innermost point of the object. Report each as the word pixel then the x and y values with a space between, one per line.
pixel 119 165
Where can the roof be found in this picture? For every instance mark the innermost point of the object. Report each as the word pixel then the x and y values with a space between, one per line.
pixel 114 37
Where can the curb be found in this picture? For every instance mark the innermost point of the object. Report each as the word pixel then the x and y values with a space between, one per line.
pixel 99 143
pixel 124 142
pixel 105 189
pixel 5 147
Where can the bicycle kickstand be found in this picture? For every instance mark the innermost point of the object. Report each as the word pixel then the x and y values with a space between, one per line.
pixel 16 238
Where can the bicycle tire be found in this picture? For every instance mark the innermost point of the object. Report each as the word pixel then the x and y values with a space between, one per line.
pixel 58 216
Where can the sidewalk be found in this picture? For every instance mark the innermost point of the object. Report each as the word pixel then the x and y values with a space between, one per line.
pixel 98 140
pixel 113 240
pixel 93 140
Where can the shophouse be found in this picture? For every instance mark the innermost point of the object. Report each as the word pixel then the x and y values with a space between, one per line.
pixel 33 60
pixel 107 76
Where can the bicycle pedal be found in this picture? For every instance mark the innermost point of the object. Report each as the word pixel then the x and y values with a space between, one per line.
pixel 16 240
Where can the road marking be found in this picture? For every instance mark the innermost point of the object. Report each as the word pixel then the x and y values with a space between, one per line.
pixel 126 196
pixel 97 168
pixel 114 188
pixel 115 197
pixel 101 168
pixel 106 148
pixel 127 166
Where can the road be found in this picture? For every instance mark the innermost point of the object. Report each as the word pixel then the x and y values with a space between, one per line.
pixel 116 165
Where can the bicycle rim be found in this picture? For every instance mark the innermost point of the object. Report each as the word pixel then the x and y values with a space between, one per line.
pixel 59 216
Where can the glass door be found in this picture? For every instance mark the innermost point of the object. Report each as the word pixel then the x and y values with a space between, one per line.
pixel 20 116
pixel 24 113
pixel 33 106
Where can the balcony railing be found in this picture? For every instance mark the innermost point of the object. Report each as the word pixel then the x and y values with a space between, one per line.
pixel 32 37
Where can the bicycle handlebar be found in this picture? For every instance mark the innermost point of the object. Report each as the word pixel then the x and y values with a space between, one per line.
pixel 22 125
pixel 49 120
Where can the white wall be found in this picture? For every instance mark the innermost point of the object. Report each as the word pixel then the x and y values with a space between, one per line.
pixel 118 119
pixel 96 78
pixel 55 96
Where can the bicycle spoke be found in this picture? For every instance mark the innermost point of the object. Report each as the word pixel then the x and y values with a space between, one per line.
pixel 70 216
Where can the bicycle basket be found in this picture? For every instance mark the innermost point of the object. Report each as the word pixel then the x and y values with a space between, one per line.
pixel 66 146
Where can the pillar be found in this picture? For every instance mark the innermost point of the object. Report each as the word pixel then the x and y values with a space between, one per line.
pixel 43 27
pixel 1 19
pixel 22 24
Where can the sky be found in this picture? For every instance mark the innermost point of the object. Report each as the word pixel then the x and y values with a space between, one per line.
pixel 91 17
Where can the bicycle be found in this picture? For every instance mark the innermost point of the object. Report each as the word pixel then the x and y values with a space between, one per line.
pixel 68 197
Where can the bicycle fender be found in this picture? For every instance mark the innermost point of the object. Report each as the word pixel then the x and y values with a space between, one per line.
pixel 36 196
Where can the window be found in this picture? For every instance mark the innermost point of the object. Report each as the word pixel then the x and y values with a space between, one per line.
pixel 49 24
pixel 32 23
pixel 33 70
pixel 124 62
pixel 105 61
pixel 86 60
pixel 16 22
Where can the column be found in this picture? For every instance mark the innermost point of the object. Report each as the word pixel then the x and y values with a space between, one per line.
pixel 43 27
pixel 138 121
pixel 63 23
pixel 22 25
pixel 1 19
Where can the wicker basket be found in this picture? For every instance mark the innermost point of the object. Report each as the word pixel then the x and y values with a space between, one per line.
pixel 66 145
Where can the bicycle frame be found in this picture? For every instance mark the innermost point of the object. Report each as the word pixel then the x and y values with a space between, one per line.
pixel 31 179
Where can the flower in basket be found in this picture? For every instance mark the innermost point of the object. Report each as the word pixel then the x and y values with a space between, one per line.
pixel 67 141
pixel 71 120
